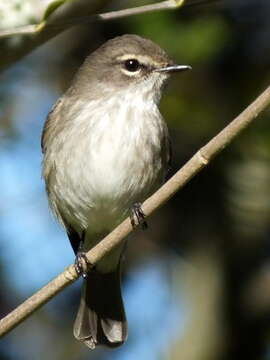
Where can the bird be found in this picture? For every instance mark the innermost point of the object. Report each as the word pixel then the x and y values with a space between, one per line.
pixel 106 148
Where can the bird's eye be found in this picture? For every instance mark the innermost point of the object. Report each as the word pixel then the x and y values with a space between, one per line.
pixel 132 65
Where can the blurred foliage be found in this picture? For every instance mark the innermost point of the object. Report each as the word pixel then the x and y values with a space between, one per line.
pixel 186 44
pixel 217 228
pixel 15 13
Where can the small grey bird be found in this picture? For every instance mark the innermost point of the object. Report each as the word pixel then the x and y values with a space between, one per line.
pixel 106 148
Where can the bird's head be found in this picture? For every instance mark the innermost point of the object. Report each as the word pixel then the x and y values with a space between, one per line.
pixel 128 63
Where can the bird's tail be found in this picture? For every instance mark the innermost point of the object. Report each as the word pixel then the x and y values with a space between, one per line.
pixel 101 317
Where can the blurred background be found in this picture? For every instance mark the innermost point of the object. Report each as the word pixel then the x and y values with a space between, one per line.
pixel 196 284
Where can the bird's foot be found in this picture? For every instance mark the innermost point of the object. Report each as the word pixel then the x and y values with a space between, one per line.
pixel 82 265
pixel 137 216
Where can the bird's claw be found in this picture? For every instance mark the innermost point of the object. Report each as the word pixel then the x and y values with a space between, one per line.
pixel 82 264
pixel 137 216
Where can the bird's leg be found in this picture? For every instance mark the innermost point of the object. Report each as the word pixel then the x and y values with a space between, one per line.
pixel 137 216
pixel 82 265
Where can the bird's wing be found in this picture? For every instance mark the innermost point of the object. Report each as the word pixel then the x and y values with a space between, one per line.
pixel 166 154
pixel 75 238
pixel 48 129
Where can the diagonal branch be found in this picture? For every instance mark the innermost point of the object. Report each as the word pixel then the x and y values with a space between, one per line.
pixel 191 168
pixel 71 13
pixel 46 30
pixel 111 15
pixel 74 13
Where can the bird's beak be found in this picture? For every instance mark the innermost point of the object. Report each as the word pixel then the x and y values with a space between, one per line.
pixel 173 68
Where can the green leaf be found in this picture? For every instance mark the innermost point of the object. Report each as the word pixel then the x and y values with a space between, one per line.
pixel 54 5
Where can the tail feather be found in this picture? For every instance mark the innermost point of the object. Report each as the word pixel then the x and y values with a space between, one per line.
pixel 101 317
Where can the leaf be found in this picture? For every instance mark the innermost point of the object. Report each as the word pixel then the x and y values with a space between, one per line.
pixel 54 5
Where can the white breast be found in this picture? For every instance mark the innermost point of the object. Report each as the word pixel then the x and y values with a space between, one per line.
pixel 110 157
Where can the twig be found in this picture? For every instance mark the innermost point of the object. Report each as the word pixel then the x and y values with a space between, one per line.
pixel 37 34
pixel 21 30
pixel 201 2
pixel 46 30
pixel 191 168
pixel 111 15
pixel 66 23
pixel 72 13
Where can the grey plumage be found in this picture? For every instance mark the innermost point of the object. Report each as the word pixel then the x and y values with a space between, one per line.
pixel 96 316
pixel 106 147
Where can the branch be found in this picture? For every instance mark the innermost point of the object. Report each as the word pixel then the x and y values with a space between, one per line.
pixel 35 28
pixel 46 30
pixel 74 13
pixel 191 168
pixel 111 15
pixel 71 13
